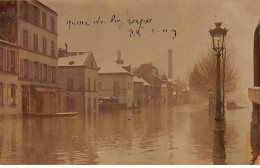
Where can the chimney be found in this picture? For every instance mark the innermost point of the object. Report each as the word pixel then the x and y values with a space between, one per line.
pixel 170 64
pixel 119 59
pixel 66 47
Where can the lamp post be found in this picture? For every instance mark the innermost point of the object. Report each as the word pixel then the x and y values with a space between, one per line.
pixel 218 39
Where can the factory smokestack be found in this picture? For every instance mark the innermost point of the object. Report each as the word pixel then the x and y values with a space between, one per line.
pixel 170 64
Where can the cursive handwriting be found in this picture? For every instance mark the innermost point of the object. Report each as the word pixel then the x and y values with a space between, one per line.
pixel 135 26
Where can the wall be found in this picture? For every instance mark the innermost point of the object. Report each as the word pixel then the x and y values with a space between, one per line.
pixel 80 92
pixel 126 93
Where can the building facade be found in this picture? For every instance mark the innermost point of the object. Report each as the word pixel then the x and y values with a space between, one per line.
pixel 10 89
pixel 117 82
pixel 33 27
pixel 150 74
pixel 78 82
pixel 139 92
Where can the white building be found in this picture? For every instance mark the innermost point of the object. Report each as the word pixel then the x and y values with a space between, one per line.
pixel 78 82
pixel 116 81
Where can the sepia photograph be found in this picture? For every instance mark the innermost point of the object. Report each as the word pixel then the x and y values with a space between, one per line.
pixel 129 82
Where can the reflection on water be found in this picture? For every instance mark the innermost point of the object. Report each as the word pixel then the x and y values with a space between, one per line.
pixel 219 151
pixel 155 135
pixel 255 132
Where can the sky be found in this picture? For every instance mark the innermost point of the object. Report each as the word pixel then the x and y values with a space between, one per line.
pixel 191 19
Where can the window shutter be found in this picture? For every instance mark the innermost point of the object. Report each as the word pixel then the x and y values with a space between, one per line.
pixel 8 94
pixel 22 68
pixel 40 71
pixel 16 62
pixel 29 40
pixel 32 69
pixel 5 60
pixel 16 96
pixel 8 60
pixel 49 74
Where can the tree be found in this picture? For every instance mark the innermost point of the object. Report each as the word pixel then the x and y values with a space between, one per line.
pixel 203 76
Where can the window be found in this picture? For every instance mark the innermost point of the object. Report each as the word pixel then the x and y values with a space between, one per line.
pixel 49 73
pixel 70 84
pixel 11 66
pixel 99 85
pixel 52 25
pixel 36 66
pixel 35 42
pixel 44 70
pixel 115 84
pixel 116 89
pixel 1 59
pixel 13 94
pixel 24 10
pixel 44 20
pixel 44 45
pixel 91 64
pixel 52 48
pixel 89 87
pixel 70 104
pixel 36 15
pixel 25 38
pixel 26 69
pixel 95 103
pixel 1 94
pixel 53 76
pixel 40 71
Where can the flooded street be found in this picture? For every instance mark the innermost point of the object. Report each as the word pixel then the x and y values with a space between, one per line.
pixel 155 135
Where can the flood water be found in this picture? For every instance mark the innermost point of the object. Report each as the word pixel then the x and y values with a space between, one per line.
pixel 155 135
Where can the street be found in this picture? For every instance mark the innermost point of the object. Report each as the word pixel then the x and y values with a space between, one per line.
pixel 154 135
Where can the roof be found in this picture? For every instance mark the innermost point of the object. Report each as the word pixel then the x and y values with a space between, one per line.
pixel 77 60
pixel 137 80
pixel 111 67
pixel 145 83
pixel 40 3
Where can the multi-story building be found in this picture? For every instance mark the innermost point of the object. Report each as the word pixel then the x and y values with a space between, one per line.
pixel 33 27
pixel 10 89
pixel 115 81
pixel 141 92
pixel 78 82
pixel 150 74
pixel 139 95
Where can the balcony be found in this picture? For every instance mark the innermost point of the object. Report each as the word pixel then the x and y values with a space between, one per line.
pixel 254 94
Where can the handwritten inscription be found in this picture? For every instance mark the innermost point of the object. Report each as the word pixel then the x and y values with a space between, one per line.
pixel 135 26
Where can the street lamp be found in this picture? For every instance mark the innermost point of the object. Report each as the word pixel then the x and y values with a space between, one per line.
pixel 218 39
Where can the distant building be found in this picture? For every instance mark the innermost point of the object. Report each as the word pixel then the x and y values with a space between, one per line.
pixel 10 89
pixel 139 92
pixel 33 27
pixel 150 74
pixel 78 82
pixel 117 82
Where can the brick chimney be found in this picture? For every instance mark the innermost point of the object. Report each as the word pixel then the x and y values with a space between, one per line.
pixel 170 64
pixel 119 59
